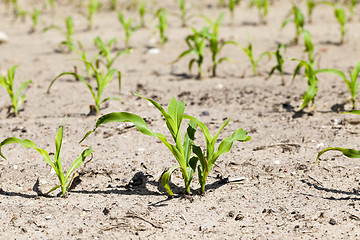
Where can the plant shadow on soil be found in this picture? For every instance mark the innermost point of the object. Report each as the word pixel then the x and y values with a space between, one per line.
pixel 329 190
pixel 138 186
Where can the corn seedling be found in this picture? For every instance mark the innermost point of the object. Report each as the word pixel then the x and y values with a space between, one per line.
pixel 182 6
pixel 352 4
pixel 263 8
pixel 232 5
pixel 181 150
pixel 311 4
pixel 297 18
pixel 340 17
pixel 129 30
pixel 254 62
pixel 162 26
pixel 312 80
pixel 67 33
pixel 17 98
pixel 92 8
pixel 105 51
pixel 49 3
pixel 351 83
pixel 65 180
pixel 196 43
pixel 102 80
pixel 208 157
pixel 280 63
pixel 35 19
pixel 214 43
pixel 113 5
pixel 142 11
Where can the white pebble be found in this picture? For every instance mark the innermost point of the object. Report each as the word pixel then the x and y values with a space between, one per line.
pixel 219 86
pixel 320 145
pixel 3 37
pixel 153 51
pixel 15 167
pixel 277 162
pixel 48 217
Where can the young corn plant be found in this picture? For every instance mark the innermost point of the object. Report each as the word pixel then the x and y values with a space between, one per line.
pixel 263 9
pixel 67 33
pixel 92 8
pixel 340 15
pixel 113 5
pixel 215 44
pixel 35 19
pixel 129 30
pixel 142 11
pixel 208 157
pixel 181 150
pixel 182 6
pixel 162 26
pixel 196 43
pixel 312 80
pixel 232 5
pixel 254 62
pixel 102 80
pixel 65 180
pixel 17 98
pixel 351 83
pixel 297 17
pixel 280 62
pixel 105 51
pixel 352 4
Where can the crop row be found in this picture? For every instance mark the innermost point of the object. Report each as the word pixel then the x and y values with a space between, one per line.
pixel 189 155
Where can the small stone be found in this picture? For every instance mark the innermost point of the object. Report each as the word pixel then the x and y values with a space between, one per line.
pixel 239 217
pixel 277 162
pixel 153 51
pixel 332 221
pixel 106 211
pixel 320 145
pixel 219 86
pixel 204 113
pixel 48 217
pixel 3 37
pixel 231 214
pixel 15 167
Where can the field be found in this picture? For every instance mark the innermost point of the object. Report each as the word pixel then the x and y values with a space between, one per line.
pixel 281 193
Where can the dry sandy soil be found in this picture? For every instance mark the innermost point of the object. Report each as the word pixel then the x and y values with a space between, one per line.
pixel 118 196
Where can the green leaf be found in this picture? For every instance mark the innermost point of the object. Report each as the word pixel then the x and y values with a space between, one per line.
pixel 226 144
pixel 22 87
pixel 28 144
pixel 78 162
pixel 350 153
pixel 353 112
pixel 165 178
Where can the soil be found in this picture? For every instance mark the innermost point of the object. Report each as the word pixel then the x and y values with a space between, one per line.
pixel 118 195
